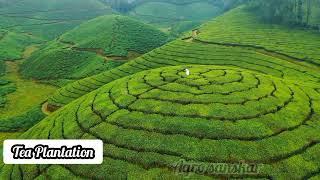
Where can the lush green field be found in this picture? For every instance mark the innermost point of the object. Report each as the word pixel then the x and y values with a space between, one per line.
pixel 116 35
pixel 201 48
pixel 12 45
pixel 239 27
pixel 49 18
pixel 151 120
pixel 22 95
pixel 252 97
pixel 177 16
pixel 26 22
pixel 93 47
pixel 182 52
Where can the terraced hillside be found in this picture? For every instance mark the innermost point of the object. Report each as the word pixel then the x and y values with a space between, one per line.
pixel 27 22
pixel 153 119
pixel 217 43
pixel 253 101
pixel 95 46
pixel 194 52
pixel 49 18
pixel 240 28
pixel 175 16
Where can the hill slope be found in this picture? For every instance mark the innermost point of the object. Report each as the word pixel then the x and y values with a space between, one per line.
pixel 241 28
pixel 92 47
pixel 240 104
pixel 42 20
pixel 155 119
pixel 199 48
pixel 49 18
pixel 175 16
pixel 12 45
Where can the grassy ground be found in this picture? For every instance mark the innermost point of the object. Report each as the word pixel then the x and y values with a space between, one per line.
pixel 216 114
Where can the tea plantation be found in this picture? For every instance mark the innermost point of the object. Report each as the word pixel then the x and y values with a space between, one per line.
pixel 49 19
pixel 252 97
pixel 12 45
pixel 240 28
pixel 82 52
pixel 200 48
pixel 181 52
pixel 120 34
pixel 175 16
pixel 151 120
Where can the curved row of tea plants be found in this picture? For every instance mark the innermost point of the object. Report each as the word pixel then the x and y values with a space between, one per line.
pixel 23 121
pixel 180 52
pixel 240 27
pixel 218 114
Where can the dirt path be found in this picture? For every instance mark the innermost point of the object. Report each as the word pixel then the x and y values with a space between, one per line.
pixel 193 36
pixel 100 52
pixel 44 109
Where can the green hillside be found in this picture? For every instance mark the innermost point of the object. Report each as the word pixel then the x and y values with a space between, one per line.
pixel 200 48
pixel 12 45
pixel 2 68
pixel 49 18
pixel 116 35
pixel 27 22
pixel 240 28
pixel 95 46
pixel 252 99
pixel 178 16
pixel 152 120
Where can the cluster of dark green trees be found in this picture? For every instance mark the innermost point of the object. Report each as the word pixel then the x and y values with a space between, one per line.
pixel 292 12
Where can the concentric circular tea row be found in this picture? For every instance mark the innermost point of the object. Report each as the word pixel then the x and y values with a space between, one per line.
pixel 151 120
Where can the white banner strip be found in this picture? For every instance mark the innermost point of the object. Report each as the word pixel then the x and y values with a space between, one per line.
pixel 53 152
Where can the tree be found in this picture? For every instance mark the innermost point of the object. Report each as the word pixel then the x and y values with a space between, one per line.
pixel 300 12
pixel 308 11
